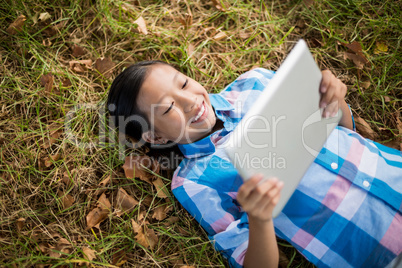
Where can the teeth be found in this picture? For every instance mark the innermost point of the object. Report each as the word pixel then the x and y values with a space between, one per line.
pixel 199 114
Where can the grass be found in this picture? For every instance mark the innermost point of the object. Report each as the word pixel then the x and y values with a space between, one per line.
pixel 217 46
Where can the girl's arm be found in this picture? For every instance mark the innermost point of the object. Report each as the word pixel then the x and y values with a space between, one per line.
pixel 333 93
pixel 258 200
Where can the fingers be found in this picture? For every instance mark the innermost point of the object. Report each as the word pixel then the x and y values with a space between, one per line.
pixel 332 92
pixel 259 198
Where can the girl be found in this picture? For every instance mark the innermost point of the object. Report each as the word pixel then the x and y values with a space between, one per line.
pixel 346 212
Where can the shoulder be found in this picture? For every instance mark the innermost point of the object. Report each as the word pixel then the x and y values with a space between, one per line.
pixel 255 79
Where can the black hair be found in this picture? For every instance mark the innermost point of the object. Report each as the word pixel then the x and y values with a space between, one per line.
pixel 122 107
pixel 122 100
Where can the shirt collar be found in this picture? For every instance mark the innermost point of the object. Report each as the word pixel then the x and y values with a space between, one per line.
pixel 206 146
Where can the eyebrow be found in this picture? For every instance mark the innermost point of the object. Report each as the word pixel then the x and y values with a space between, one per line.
pixel 174 81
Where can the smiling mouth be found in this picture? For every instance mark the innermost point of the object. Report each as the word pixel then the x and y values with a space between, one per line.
pixel 200 114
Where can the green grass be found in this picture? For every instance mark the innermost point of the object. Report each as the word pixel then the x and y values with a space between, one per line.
pixel 257 33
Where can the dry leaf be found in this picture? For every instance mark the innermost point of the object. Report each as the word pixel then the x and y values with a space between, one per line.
pixel 357 56
pixel 63 246
pixel 381 47
pixel 66 199
pixel 136 226
pixel 134 167
pixel 20 224
pixel 80 66
pixel 220 36
pixel 17 25
pixel 89 254
pixel 104 66
pixel 95 217
pixel 171 220
pixel 365 84
pixel 104 203
pixel 119 257
pixel 142 27
pixel 51 159
pixel 98 214
pixel 218 5
pixel 160 188
pixel 77 51
pixel 46 42
pixel 47 82
pixel 44 16
pixel 66 83
pixel 364 128
pixel 187 20
pixel 125 203
pixel 147 239
pixel 102 186
pixel 160 213
pixel 244 35
pixel 354 46
pixel 387 99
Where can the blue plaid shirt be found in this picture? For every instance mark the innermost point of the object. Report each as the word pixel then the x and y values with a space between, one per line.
pixel 346 212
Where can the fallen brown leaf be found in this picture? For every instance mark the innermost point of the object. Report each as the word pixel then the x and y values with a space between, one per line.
pixel 244 35
pixel 142 27
pixel 134 167
pixel 119 257
pixel 77 51
pixel 219 6
pixel 160 212
pixel 66 199
pixel 47 82
pixel 125 203
pixel 147 239
pixel 104 66
pixel 187 21
pixel 220 36
pixel 89 254
pixel 171 220
pixel 160 187
pixel 103 202
pixel 66 83
pixel 358 60
pixel 98 214
pixel 364 128
pixel 50 159
pixel 20 224
pixel 17 25
pixel 63 246
pixel 80 66
pixel 357 56
pixel 46 42
pixel 44 16
pixel 102 186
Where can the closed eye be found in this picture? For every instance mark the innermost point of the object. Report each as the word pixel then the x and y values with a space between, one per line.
pixel 185 84
pixel 171 106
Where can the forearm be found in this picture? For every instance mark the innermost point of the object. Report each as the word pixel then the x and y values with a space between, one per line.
pixel 346 120
pixel 262 247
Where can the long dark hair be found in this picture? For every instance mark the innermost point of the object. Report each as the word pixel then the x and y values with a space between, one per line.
pixel 124 111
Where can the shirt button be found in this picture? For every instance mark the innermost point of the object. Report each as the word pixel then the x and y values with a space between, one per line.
pixel 334 165
pixel 366 183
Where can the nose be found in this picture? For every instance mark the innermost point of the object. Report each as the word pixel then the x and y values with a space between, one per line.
pixel 187 101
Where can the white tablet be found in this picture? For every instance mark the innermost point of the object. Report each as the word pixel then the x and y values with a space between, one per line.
pixel 281 135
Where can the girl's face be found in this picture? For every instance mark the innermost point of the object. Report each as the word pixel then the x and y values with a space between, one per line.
pixel 177 107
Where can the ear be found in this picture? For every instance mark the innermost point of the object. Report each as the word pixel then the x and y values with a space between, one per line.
pixel 151 137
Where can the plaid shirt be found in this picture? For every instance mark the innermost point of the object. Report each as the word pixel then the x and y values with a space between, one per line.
pixel 346 211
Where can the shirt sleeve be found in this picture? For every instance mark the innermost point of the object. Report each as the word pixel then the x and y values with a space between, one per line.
pixel 218 213
pixel 353 119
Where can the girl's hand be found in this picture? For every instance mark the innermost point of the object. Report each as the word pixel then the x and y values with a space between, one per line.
pixel 259 200
pixel 333 92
